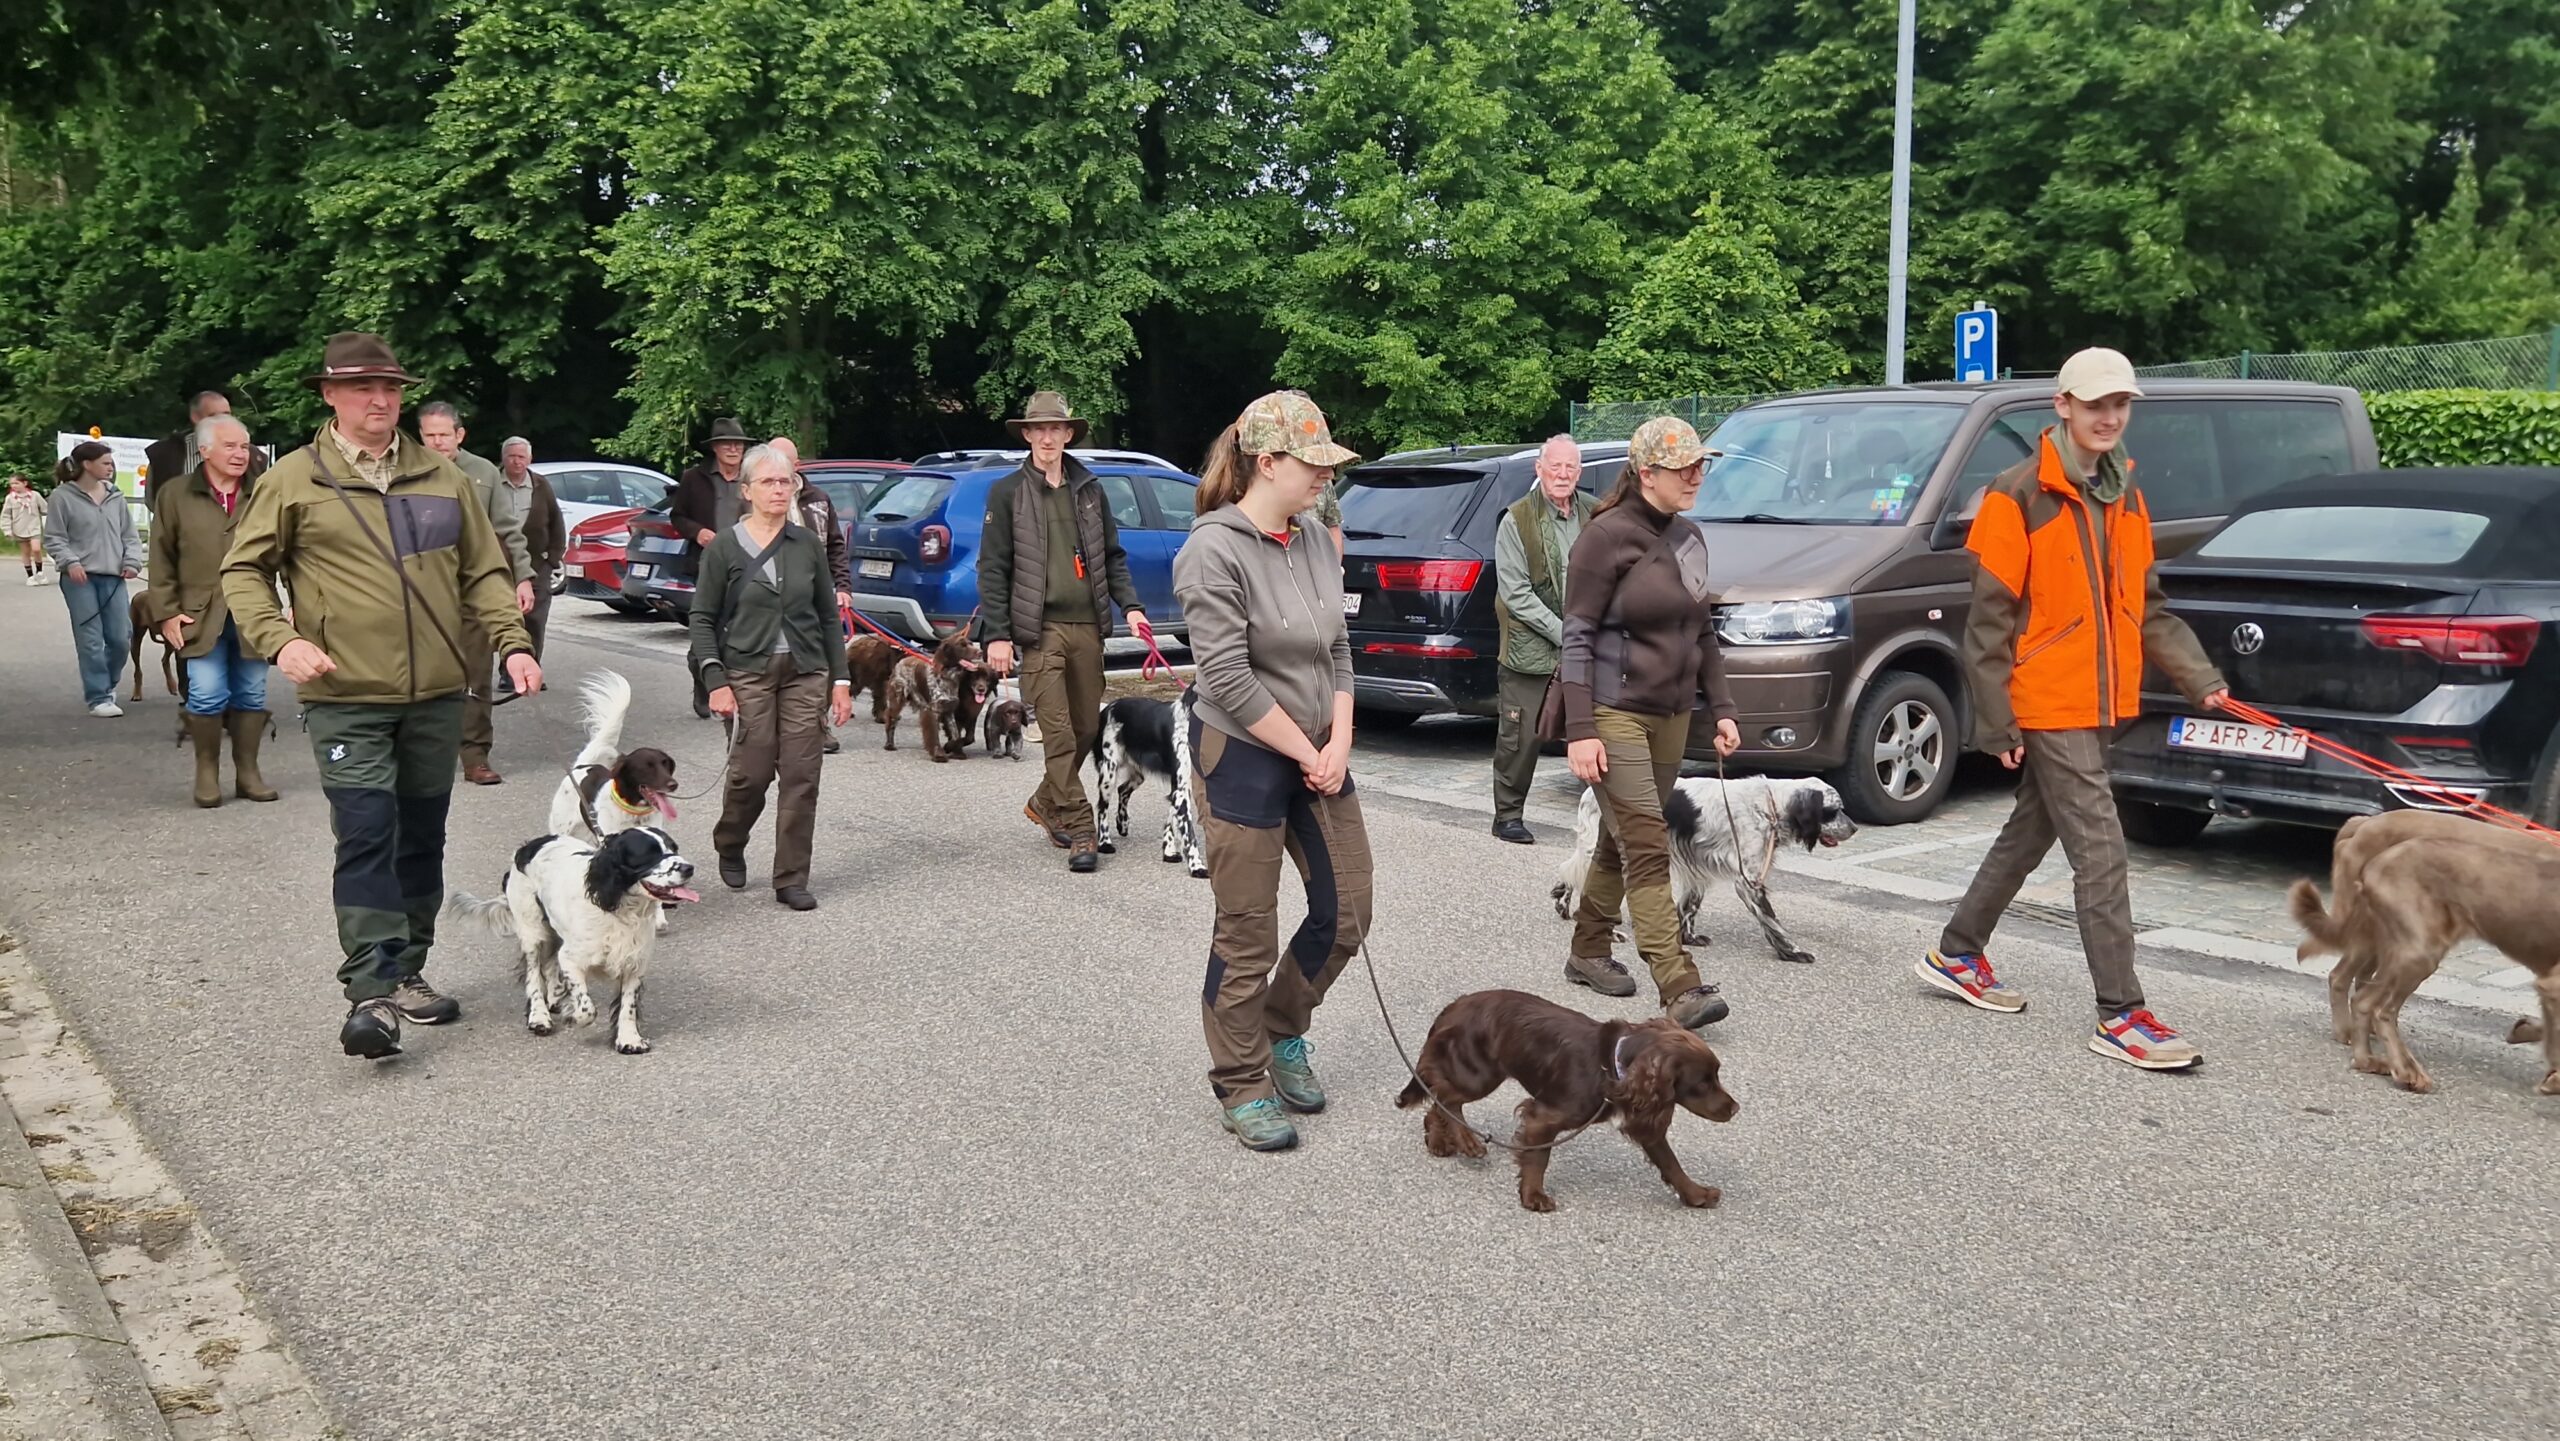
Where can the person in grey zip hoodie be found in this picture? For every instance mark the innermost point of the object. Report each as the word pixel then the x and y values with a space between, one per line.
pixel 89 532
pixel 1270 736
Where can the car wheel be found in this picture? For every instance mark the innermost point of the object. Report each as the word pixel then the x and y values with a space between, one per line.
pixel 1365 719
pixel 1902 751
pixel 559 581
pixel 2154 824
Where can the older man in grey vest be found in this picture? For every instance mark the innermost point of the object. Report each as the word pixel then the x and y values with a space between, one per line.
pixel 1529 551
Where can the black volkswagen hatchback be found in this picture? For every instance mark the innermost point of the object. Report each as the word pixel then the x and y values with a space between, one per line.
pixel 2405 613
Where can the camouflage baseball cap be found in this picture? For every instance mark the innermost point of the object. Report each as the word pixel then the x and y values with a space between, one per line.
pixel 1287 422
pixel 1667 442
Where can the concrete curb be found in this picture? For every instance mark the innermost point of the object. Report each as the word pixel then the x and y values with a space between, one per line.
pixel 137 1297
pixel 68 1369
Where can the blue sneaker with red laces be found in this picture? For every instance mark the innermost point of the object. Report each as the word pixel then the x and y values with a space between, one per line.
pixel 2139 1038
pixel 1969 979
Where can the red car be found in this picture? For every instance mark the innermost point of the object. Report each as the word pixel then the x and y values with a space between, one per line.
pixel 592 562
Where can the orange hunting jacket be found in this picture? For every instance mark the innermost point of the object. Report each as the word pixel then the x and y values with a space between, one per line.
pixel 2066 607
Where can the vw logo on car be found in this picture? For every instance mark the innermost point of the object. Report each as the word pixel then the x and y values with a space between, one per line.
pixel 2247 638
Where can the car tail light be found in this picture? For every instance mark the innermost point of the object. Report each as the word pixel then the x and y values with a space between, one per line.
pixel 1427 652
pixel 1458 576
pixel 934 546
pixel 2492 640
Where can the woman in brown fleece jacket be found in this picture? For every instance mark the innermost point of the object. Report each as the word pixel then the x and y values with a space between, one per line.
pixel 1639 646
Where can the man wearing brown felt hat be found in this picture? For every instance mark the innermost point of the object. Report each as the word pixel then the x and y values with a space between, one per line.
pixel 1050 568
pixel 386 551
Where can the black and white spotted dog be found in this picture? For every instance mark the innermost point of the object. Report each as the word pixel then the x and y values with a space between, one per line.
pixel 1767 813
pixel 1143 737
pixel 580 913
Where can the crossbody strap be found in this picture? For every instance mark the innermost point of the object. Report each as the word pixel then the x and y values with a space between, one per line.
pixel 746 574
pixel 473 685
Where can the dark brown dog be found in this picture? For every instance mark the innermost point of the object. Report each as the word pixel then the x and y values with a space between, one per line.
pixel 1004 729
pixel 2419 899
pixel 1577 1072
pixel 871 661
pixel 947 690
pixel 146 628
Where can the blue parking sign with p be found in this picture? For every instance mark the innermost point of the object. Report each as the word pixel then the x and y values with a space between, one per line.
pixel 1978 344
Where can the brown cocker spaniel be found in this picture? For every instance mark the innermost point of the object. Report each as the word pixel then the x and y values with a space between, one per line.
pixel 1576 1070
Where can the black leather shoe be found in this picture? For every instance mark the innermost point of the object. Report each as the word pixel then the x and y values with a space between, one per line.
pixel 372 1030
pixel 797 898
pixel 733 872
pixel 833 745
pixel 1514 832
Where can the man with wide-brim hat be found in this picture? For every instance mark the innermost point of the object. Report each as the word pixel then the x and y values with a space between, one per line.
pixel 709 499
pixel 386 551
pixel 1050 568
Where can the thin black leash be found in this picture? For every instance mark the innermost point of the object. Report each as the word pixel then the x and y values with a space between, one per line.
pixel 1443 1107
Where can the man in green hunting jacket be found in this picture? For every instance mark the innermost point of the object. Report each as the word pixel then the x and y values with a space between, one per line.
pixel 1050 568
pixel 1529 551
pixel 386 551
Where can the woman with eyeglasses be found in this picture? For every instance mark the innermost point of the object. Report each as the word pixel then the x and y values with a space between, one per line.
pixel 1639 648
pixel 768 646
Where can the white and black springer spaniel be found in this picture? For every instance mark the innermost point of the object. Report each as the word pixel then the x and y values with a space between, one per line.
pixel 1767 813
pixel 1142 737
pixel 580 912
pixel 609 789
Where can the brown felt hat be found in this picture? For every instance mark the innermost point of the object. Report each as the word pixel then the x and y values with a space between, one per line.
pixel 358 355
pixel 1048 407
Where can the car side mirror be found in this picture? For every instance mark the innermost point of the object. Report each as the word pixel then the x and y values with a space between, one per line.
pixel 1954 525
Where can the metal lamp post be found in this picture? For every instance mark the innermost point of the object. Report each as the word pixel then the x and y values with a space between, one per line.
pixel 1898 277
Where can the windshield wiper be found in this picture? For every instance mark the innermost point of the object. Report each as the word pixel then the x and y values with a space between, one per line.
pixel 1757 517
pixel 1348 533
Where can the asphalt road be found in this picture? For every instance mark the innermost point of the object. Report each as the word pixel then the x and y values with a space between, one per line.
pixel 939 1160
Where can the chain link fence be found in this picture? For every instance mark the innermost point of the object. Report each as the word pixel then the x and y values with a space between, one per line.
pixel 2517 362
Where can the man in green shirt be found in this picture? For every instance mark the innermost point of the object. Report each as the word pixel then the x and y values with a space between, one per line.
pixel 440 427
pixel 1050 568
pixel 1529 552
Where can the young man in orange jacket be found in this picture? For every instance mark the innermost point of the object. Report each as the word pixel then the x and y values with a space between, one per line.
pixel 2066 609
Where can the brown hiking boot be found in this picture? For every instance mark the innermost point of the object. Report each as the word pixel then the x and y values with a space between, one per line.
pixel 1695 1007
pixel 248 732
pixel 1032 812
pixel 206 732
pixel 479 774
pixel 1600 973
pixel 1081 857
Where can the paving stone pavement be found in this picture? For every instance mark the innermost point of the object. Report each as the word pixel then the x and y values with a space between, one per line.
pixel 2223 895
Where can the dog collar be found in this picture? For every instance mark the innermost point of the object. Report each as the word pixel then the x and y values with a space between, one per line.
pixel 645 808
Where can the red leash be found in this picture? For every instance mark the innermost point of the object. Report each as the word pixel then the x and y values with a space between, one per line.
pixel 1155 664
pixel 2416 784
pixel 855 617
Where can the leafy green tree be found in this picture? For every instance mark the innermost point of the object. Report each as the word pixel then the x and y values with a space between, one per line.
pixel 1715 314
pixel 1477 182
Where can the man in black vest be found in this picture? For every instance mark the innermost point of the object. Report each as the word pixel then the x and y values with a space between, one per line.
pixel 1050 568
pixel 707 502
pixel 1529 551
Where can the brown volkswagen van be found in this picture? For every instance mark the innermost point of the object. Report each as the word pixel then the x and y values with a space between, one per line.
pixel 1836 526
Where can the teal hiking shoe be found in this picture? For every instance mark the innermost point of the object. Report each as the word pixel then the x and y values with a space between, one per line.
pixel 1261 1125
pixel 1293 1074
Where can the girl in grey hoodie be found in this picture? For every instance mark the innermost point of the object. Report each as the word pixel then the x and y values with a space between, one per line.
pixel 1270 734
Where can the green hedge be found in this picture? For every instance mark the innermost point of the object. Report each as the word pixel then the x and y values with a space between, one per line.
pixel 2466 427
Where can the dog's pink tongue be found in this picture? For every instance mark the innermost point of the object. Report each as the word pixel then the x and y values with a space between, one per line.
pixel 682 893
pixel 666 807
